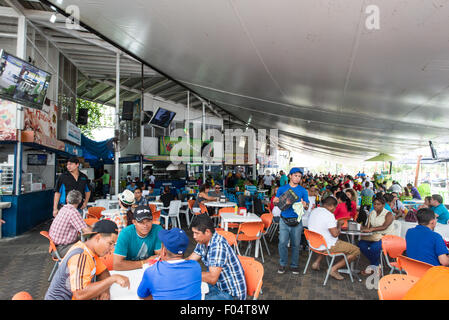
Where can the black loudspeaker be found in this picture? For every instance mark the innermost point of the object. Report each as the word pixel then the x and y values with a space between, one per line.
pixel 127 111
pixel 147 115
pixel 291 159
pixel 82 116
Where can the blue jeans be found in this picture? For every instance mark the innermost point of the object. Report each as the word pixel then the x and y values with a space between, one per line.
pixel 293 234
pixel 372 250
pixel 216 294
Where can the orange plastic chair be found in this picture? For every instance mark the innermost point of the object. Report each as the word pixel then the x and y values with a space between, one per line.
pixel 316 240
pixel 230 237
pixel 395 286
pixel 250 231
pixel 413 267
pixel 432 286
pixel 267 219
pixel 108 260
pixel 91 221
pixel 22 295
pixel 94 212
pixel 254 272
pixel 231 225
pixel 392 247
pixel 53 253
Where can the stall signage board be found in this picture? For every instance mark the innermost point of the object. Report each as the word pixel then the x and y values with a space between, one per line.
pixel 167 144
pixel 8 127
pixel 41 126
pixel 70 132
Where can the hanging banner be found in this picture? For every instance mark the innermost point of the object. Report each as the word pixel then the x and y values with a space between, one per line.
pixel 8 128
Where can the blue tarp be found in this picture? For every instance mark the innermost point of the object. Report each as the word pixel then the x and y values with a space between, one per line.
pixel 97 153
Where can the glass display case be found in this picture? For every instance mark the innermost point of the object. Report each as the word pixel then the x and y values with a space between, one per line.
pixel 6 178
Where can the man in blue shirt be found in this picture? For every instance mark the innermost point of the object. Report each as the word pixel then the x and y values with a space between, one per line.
pixel 438 207
pixel 172 277
pixel 225 275
pixel 293 231
pixel 137 242
pixel 423 243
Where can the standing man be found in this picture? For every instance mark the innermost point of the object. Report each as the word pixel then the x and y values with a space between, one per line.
pixel 106 182
pixel 268 181
pixel 284 179
pixel 72 179
pixel 288 228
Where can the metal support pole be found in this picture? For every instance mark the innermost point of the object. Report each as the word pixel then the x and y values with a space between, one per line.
pixel 204 130
pixel 21 53
pixel 117 123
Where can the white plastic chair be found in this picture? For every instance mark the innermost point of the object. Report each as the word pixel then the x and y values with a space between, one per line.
pixel 173 212
pixel 102 203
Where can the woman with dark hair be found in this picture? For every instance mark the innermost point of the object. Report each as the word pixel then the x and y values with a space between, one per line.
pixel 345 208
pixel 379 223
pixel 203 196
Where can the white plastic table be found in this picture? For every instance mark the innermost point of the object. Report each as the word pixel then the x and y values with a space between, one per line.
pixel 218 204
pixel 109 212
pixel 135 277
pixel 352 264
pixel 228 217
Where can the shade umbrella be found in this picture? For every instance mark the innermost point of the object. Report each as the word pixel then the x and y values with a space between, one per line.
pixel 381 157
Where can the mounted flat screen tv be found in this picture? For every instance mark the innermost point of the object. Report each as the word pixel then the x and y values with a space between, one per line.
pixel 162 118
pixel 37 160
pixel 22 82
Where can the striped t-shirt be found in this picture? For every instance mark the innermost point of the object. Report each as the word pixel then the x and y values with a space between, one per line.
pixel 78 268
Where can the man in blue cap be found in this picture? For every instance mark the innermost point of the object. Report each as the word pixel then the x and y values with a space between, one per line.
pixel 289 228
pixel 172 277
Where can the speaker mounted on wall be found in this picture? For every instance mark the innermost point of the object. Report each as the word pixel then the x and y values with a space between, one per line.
pixel 127 111
pixel 82 116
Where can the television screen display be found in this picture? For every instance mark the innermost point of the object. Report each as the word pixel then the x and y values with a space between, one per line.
pixel 37 159
pixel 22 82
pixel 162 118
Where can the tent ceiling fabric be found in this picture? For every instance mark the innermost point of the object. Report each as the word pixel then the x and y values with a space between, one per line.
pixel 311 69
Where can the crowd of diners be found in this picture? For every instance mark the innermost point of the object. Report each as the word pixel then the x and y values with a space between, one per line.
pixel 137 241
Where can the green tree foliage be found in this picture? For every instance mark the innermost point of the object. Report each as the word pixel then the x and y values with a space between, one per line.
pixel 97 117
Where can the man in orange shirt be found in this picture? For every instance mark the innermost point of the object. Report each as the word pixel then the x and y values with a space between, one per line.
pixel 81 274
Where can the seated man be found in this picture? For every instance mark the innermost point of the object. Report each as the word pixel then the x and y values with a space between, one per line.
pixel 68 223
pixel 172 277
pixel 322 221
pixel 398 207
pixel 224 275
pixel 437 206
pixel 137 242
pixel 423 243
pixel 81 274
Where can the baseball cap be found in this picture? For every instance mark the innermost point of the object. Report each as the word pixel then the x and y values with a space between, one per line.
pixel 127 197
pixel 104 226
pixel 175 240
pixel 296 169
pixel 142 212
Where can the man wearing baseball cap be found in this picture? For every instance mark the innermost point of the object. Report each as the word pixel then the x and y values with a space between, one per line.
pixel 81 265
pixel 137 242
pixel 291 233
pixel 172 277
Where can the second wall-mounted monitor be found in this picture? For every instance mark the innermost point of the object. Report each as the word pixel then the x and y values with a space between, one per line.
pixel 162 118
